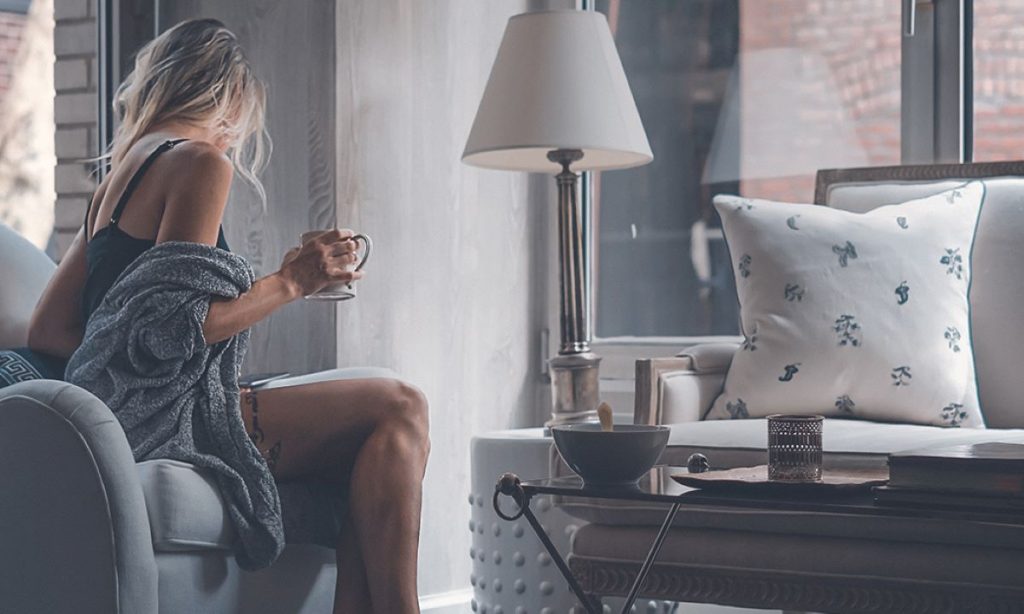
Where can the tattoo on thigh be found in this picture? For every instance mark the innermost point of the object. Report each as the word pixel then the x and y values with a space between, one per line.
pixel 257 433
pixel 257 436
pixel 273 455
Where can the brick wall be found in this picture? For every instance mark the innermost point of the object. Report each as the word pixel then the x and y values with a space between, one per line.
pixel 76 112
pixel 11 26
pixel 26 120
pixel 858 43
pixel 999 80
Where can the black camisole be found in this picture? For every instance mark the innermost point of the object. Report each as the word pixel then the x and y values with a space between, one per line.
pixel 111 250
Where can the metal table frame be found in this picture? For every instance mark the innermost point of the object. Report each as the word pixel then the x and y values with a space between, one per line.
pixel 659 487
pixel 522 493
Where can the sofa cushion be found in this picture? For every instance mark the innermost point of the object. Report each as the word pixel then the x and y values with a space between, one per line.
pixel 23 276
pixel 854 314
pixel 185 507
pixel 997 287
pixel 861 443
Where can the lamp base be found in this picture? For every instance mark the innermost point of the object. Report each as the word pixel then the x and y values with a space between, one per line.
pixel 574 388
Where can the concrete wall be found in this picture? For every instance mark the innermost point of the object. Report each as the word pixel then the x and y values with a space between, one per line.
pixel 455 296
pixel 380 95
pixel 291 45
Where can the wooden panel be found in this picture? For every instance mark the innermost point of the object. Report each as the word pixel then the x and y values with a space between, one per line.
pixel 291 45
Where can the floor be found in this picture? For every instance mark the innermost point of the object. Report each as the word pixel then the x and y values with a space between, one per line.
pixel 693 608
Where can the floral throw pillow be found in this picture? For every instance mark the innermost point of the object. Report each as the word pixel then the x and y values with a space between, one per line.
pixel 854 315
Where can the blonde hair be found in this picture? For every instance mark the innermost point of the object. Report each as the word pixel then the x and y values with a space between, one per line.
pixel 197 73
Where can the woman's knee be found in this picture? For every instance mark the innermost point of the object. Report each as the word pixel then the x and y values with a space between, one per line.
pixel 408 411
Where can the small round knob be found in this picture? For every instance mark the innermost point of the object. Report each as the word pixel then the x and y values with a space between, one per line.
pixel 508 484
pixel 697 463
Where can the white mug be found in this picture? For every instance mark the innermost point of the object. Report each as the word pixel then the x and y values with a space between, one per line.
pixel 342 290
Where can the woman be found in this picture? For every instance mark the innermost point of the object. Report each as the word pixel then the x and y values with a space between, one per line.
pixel 191 115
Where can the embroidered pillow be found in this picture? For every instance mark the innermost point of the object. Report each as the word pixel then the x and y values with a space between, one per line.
pixel 854 315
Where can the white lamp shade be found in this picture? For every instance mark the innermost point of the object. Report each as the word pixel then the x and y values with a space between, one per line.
pixel 557 83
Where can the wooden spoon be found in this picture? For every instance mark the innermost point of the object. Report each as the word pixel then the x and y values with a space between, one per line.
pixel 604 413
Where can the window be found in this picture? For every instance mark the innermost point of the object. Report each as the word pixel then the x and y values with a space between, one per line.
pixel 737 96
pixel 26 119
pixel 998 80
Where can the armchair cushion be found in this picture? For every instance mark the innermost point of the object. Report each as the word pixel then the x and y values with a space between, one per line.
pixel 854 315
pixel 186 510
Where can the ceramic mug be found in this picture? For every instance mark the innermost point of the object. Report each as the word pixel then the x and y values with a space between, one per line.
pixel 342 290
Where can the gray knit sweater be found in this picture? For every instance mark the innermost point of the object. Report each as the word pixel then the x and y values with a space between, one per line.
pixel 145 356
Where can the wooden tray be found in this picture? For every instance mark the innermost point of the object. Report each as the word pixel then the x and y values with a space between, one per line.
pixel 755 479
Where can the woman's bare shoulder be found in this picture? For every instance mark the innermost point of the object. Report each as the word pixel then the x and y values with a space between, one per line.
pixel 199 158
pixel 197 193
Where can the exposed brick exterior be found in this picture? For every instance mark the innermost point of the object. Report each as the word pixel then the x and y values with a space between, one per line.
pixel 859 43
pixel 26 120
pixel 11 25
pixel 999 80
pixel 76 112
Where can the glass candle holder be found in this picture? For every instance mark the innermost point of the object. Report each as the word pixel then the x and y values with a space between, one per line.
pixel 794 448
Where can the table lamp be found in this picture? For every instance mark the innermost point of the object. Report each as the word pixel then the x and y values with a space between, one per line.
pixel 557 102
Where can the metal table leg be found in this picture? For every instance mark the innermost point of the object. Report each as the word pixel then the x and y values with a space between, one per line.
pixel 510 486
pixel 651 555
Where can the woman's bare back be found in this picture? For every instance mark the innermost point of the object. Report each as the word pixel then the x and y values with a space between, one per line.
pixel 143 216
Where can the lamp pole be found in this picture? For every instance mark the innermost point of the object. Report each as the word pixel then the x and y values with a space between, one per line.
pixel 574 371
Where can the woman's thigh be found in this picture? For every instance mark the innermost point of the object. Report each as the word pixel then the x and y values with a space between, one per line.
pixel 317 429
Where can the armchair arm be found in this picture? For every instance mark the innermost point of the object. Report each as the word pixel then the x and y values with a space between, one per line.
pixel 73 523
pixel 682 388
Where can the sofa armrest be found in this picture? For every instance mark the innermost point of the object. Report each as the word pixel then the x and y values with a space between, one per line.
pixel 73 523
pixel 681 388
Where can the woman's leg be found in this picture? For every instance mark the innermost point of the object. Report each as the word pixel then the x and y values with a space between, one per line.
pixel 368 434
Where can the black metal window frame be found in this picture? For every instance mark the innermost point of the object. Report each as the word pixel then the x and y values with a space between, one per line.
pixel 122 26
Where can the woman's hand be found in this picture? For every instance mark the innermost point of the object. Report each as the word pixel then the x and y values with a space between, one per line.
pixel 326 259
pixel 305 270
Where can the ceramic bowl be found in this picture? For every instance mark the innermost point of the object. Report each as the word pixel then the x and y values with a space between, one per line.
pixel 610 458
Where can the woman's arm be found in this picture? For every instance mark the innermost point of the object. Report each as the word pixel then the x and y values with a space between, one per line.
pixel 193 211
pixel 56 326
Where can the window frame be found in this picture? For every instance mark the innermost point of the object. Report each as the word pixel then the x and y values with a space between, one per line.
pixel 123 26
pixel 935 126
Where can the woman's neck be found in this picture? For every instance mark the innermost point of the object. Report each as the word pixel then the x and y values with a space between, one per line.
pixel 188 131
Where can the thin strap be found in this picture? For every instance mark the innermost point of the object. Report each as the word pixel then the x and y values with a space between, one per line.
pixel 137 177
pixel 88 208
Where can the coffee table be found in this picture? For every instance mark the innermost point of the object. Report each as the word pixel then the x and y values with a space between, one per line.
pixel 658 487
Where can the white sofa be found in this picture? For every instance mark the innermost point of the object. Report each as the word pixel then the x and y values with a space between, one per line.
pixel 84 529
pixel 793 561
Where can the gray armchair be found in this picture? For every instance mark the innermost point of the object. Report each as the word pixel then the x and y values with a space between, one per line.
pixel 85 529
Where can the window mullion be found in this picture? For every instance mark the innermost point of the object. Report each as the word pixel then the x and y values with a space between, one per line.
pixel 935 78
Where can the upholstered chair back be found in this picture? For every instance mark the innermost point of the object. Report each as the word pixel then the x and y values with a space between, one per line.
pixel 997 288
pixel 24 272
